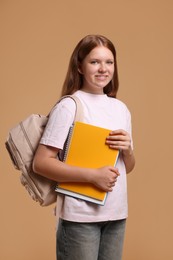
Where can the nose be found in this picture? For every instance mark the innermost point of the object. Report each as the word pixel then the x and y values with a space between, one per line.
pixel 102 67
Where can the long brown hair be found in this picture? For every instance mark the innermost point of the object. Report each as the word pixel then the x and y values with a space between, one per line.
pixel 74 79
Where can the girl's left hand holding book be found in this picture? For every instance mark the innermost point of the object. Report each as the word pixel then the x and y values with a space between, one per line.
pixel 121 140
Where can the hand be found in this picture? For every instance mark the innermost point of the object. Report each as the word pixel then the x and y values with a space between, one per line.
pixel 119 140
pixel 106 177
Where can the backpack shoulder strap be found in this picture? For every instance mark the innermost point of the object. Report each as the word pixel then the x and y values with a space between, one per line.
pixel 79 108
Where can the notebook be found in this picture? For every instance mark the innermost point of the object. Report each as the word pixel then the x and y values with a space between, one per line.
pixel 86 148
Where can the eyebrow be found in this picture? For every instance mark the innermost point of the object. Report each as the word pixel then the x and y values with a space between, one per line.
pixel 97 59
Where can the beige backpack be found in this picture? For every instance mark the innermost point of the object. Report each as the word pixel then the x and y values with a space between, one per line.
pixel 21 144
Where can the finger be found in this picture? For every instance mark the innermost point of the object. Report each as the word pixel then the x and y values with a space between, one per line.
pixel 116 171
pixel 118 131
pixel 120 145
pixel 116 138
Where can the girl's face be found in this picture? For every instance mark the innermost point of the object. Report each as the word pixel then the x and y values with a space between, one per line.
pixel 97 69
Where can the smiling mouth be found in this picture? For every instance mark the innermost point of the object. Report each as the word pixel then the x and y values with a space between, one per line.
pixel 102 77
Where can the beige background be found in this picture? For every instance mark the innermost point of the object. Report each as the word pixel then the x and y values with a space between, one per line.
pixel 37 38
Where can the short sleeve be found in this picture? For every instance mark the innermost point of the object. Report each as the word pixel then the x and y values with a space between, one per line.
pixel 60 120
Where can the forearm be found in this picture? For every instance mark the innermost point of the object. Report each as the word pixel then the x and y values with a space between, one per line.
pixel 46 164
pixel 104 178
pixel 129 160
pixel 58 171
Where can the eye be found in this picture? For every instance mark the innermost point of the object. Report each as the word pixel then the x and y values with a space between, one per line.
pixel 110 62
pixel 94 62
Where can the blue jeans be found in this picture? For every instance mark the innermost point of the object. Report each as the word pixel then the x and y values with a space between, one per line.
pixel 90 241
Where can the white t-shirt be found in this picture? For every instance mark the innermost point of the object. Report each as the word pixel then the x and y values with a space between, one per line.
pixel 102 111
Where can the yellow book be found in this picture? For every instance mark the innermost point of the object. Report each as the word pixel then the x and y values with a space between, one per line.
pixel 86 148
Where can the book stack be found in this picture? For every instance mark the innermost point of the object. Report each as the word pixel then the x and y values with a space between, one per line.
pixel 86 148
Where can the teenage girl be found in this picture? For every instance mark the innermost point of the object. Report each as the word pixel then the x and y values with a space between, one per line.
pixel 87 231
